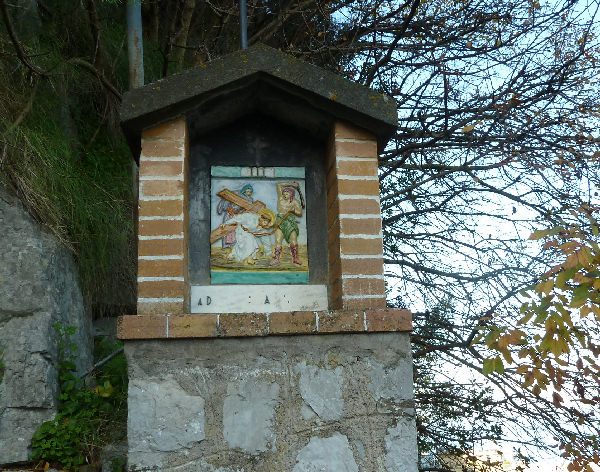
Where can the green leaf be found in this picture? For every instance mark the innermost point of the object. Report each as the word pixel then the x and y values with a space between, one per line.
pixel 580 295
pixel 542 314
pixel 542 233
pixel 498 365
pixel 545 286
pixel 524 293
pixel 526 318
pixel 539 234
pixel 492 335
pixel 478 338
pixel 561 279
pixel 488 366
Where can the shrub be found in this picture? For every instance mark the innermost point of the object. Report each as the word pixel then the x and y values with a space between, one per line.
pixel 88 418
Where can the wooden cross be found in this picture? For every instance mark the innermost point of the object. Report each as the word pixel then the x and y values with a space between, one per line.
pixel 246 205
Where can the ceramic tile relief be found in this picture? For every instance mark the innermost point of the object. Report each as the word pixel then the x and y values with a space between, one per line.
pixel 258 225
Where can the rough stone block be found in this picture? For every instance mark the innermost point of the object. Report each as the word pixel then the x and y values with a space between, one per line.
pixel 165 418
pixel 30 380
pixel 17 426
pixel 248 415
pixel 326 454
pixel 399 453
pixel 38 288
pixel 391 383
pixel 321 389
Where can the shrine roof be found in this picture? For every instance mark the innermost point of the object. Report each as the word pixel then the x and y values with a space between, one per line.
pixel 259 79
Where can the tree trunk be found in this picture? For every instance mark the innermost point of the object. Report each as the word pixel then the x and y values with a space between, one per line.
pixel 180 39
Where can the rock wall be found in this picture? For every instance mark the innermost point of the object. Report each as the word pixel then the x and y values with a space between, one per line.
pixel 330 403
pixel 38 288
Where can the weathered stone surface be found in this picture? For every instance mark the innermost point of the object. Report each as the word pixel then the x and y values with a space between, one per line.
pixel 399 453
pixel 17 425
pixel 28 375
pixel 248 412
pixel 390 381
pixel 321 389
pixel 166 418
pixel 38 288
pixel 278 403
pixel 326 455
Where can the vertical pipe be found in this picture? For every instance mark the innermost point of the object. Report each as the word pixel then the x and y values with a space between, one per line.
pixel 135 47
pixel 243 24
pixel 135 54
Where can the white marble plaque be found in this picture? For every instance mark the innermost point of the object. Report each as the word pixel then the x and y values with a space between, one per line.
pixel 257 298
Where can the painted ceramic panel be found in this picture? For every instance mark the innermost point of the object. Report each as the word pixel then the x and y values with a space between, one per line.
pixel 258 225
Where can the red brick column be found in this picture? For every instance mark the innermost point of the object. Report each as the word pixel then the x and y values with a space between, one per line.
pixel 163 220
pixel 354 220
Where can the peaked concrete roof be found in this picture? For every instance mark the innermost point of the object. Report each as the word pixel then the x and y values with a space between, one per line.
pixel 258 79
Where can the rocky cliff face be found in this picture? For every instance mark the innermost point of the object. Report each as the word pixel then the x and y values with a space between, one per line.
pixel 38 288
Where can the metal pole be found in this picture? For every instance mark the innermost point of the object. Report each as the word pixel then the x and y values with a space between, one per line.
pixel 135 45
pixel 243 25
pixel 135 52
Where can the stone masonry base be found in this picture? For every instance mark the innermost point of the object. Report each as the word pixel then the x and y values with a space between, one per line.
pixel 342 402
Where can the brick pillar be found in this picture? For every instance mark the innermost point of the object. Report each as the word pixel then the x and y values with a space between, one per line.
pixel 163 220
pixel 354 220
